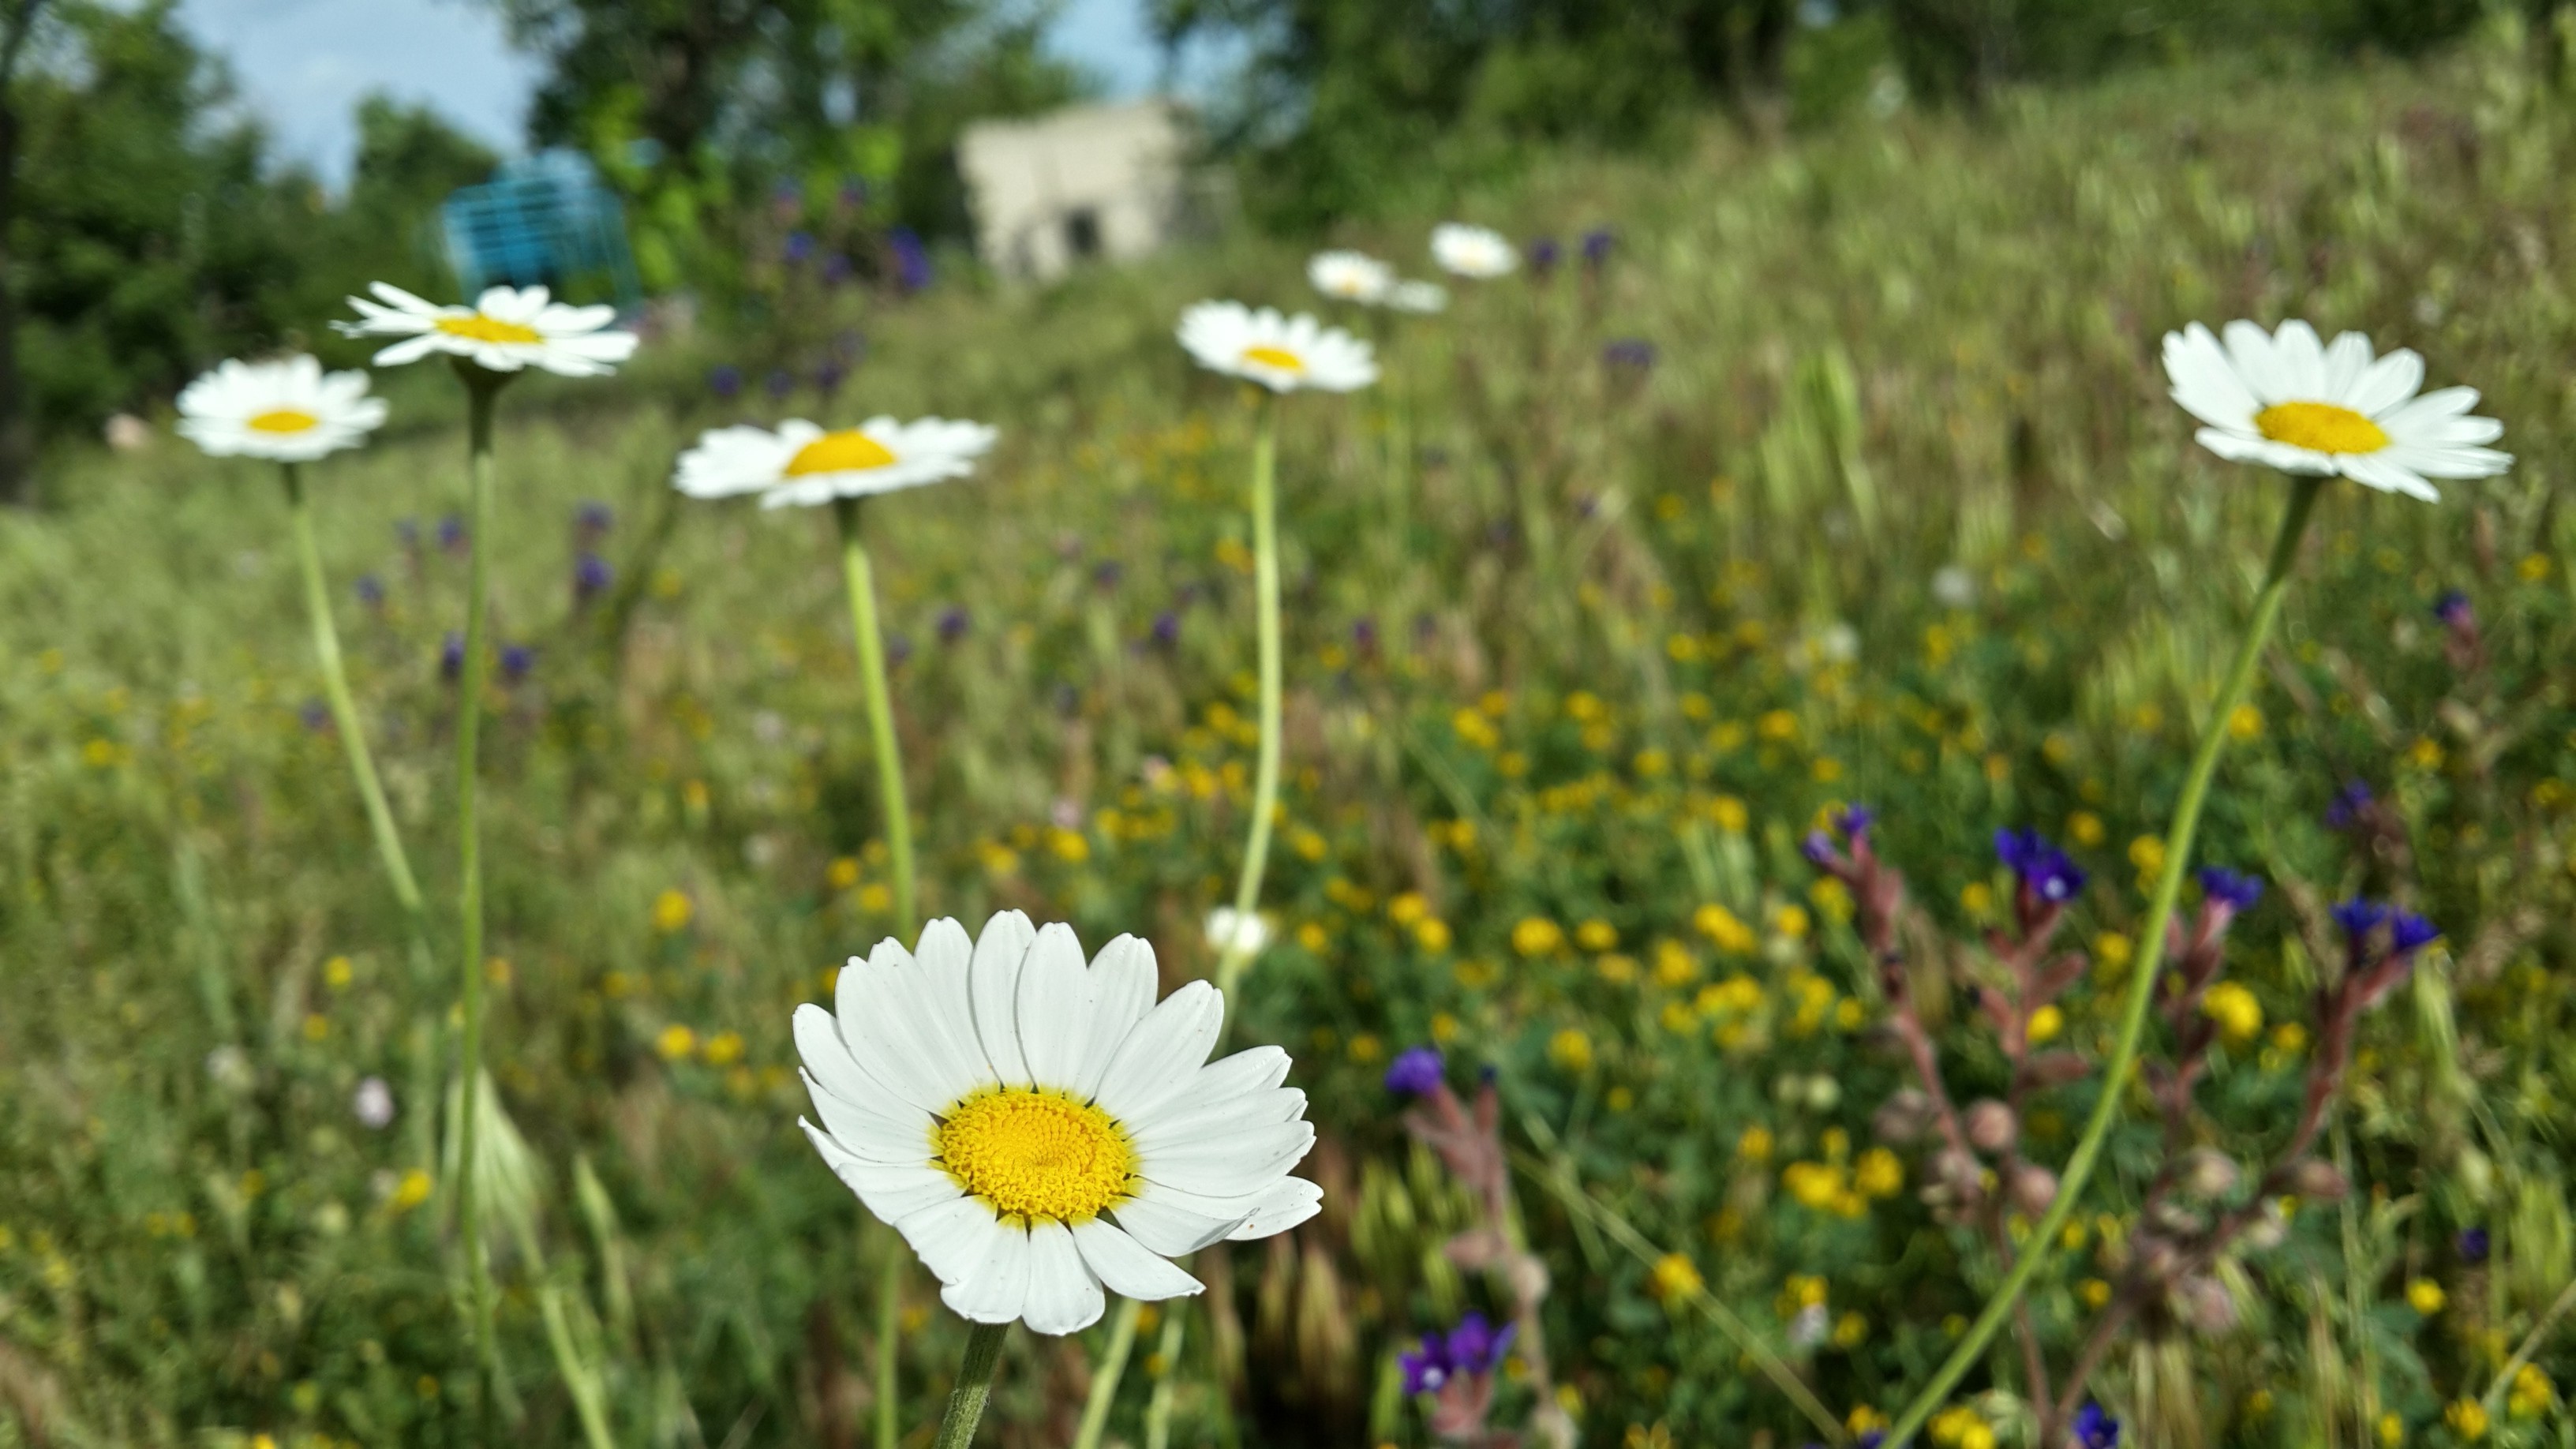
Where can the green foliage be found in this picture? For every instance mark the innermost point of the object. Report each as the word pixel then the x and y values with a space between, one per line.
pixel 1577 653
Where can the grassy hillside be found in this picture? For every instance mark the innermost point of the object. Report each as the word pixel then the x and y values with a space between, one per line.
pixel 1891 507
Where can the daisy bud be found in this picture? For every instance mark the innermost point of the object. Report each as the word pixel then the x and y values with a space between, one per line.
pixel 2033 1188
pixel 1992 1126
pixel 2208 1174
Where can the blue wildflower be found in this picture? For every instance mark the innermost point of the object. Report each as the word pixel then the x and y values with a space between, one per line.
pixel 371 590
pixel 1476 1346
pixel 2409 932
pixel 593 519
pixel 953 623
pixel 1415 1072
pixel 591 576
pixel 725 381
pixel 516 661
pixel 451 654
pixel 2237 890
pixel 2345 810
pixel 1544 254
pixel 2044 870
pixel 1427 1368
pixel 2359 917
pixel 1851 820
pixel 451 533
pixel 2095 1429
pixel 1596 246
pixel 2473 1244
pixel 911 259
pixel 800 246
pixel 2453 608
pixel 1629 352
pixel 1818 848
pixel 1167 628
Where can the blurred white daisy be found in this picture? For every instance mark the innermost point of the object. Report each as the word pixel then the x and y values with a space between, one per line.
pixel 1040 1130
pixel 2287 400
pixel 1472 251
pixel 1283 354
pixel 802 463
pixel 1243 932
pixel 1350 276
pixel 1419 297
pixel 290 410
pixel 507 328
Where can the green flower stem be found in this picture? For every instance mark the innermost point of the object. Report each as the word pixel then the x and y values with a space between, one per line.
pixel 974 1385
pixel 860 576
pixel 482 389
pixel 344 708
pixel 1265 779
pixel 872 675
pixel 2142 981
pixel 889 1326
pixel 1104 1379
pixel 1167 1359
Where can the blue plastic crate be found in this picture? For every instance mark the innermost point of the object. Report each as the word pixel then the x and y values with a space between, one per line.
pixel 546 219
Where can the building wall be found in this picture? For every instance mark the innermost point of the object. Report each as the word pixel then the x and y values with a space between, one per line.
pixel 1106 179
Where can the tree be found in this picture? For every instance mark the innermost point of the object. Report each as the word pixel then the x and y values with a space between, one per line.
pixel 18 21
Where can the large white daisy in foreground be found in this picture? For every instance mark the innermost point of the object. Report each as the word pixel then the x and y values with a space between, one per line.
pixel 2287 400
pixel 507 328
pixel 289 411
pixel 1476 252
pixel 1283 354
pixel 802 463
pixel 1038 1129
pixel 1350 277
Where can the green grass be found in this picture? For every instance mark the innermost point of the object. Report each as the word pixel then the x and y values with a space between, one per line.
pixel 1549 624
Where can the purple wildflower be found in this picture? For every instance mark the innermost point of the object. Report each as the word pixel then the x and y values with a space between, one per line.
pixel 516 661
pixel 2237 890
pixel 1630 353
pixel 2409 933
pixel 1544 254
pixel 898 648
pixel 911 259
pixel 1476 1346
pixel 800 247
pixel 827 378
pixel 2359 917
pixel 451 533
pixel 1818 848
pixel 1427 1368
pixel 953 623
pixel 2345 810
pixel 1851 820
pixel 2095 1429
pixel 371 591
pixel 451 655
pixel 1596 246
pixel 725 381
pixel 1167 628
pixel 591 577
pixel 2473 1244
pixel 1415 1072
pixel 316 715
pixel 2045 870
pixel 2453 608
pixel 593 519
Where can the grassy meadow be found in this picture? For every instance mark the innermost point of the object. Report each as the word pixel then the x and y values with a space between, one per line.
pixel 1583 638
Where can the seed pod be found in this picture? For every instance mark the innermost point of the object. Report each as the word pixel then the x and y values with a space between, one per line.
pixel 2317 1179
pixel 2268 1230
pixel 2207 1173
pixel 1992 1126
pixel 2033 1188
pixel 1903 1118
pixel 2205 1304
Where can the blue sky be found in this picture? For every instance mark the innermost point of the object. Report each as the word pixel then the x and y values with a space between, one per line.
pixel 303 64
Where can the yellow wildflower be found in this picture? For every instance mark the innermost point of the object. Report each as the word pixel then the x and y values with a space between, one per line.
pixel 1537 936
pixel 672 911
pixel 2426 1296
pixel 1570 1049
pixel 2238 1014
pixel 1674 1277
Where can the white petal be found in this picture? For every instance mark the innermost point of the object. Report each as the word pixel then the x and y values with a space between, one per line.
pixel 1122 991
pixel 2301 359
pixel 828 1058
pixel 1240 1162
pixel 892 1193
pixel 2375 471
pixel 1284 1206
pixel 873 1134
pixel 1163 1053
pixel 953 1238
pixel 1171 1230
pixel 993 1290
pixel 1129 1268
pixel 410 349
pixel 2438 406
pixel 2346 361
pixel 1190 1119
pixel 2204 381
pixel 2450 461
pixel 2249 347
pixel 1054 1009
pixel 1063 1297
pixel 993 984
pixel 2389 381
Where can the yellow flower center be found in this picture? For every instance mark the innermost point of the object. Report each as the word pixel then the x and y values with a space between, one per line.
pixel 2321 427
pixel 1274 357
pixel 479 328
pixel 1035 1154
pixel 847 451
pixel 283 420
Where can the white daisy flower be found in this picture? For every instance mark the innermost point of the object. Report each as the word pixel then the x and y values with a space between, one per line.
pixel 801 463
pixel 1418 297
pixel 507 328
pixel 1040 1130
pixel 1350 277
pixel 1476 252
pixel 2287 400
pixel 1231 930
pixel 290 411
pixel 1283 354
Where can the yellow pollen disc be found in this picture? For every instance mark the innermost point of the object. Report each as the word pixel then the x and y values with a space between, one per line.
pixel 480 328
pixel 2320 427
pixel 283 420
pixel 1278 357
pixel 1034 1154
pixel 847 451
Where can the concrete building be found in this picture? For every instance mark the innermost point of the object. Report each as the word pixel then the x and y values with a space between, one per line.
pixel 1089 181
